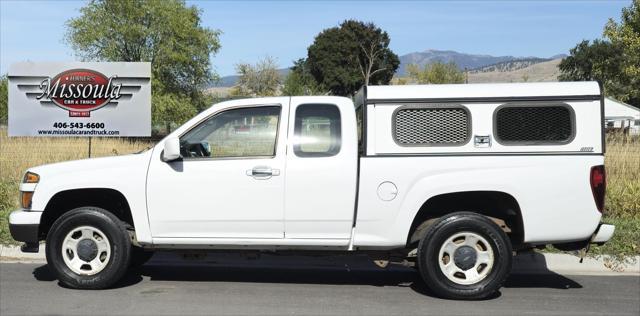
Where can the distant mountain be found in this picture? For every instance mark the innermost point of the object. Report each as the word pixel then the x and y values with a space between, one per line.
pixel 226 81
pixel 510 65
pixel 463 61
pixel 469 61
pixel 230 81
pixel 515 71
pixel 473 62
pixel 559 56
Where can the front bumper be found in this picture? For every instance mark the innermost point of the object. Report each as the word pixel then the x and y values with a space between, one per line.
pixel 603 233
pixel 24 225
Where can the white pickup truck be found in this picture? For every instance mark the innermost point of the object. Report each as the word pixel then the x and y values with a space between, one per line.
pixel 455 178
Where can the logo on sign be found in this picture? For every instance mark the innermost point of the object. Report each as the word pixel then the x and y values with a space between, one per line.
pixel 80 91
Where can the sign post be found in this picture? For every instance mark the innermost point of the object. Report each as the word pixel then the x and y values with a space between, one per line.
pixel 80 99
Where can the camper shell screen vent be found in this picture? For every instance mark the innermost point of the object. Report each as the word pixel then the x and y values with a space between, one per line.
pixel 550 124
pixel 431 125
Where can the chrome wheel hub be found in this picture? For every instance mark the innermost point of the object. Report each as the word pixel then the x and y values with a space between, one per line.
pixel 466 258
pixel 86 250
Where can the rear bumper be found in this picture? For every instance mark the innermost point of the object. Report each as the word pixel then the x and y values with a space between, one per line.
pixel 24 225
pixel 603 233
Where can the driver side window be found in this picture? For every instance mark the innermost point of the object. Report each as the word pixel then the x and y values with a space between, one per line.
pixel 244 132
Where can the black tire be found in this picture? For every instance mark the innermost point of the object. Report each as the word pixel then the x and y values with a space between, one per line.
pixel 444 229
pixel 139 256
pixel 114 231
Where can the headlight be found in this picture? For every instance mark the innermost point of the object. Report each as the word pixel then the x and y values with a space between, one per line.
pixel 30 177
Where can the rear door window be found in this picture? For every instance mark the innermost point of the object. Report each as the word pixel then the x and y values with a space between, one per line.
pixel 317 130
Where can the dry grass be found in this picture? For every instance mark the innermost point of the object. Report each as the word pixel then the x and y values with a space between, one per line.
pixel 622 161
pixel 19 153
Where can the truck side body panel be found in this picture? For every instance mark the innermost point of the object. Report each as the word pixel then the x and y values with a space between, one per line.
pixel 552 191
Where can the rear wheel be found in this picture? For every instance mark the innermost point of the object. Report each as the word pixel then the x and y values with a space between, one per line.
pixel 88 248
pixel 464 256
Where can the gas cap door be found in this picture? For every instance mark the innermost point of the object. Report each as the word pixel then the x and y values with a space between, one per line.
pixel 387 191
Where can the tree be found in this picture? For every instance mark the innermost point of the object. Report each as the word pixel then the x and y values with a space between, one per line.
pixel 599 60
pixel 342 59
pixel 167 33
pixel 261 79
pixel 626 36
pixel 435 73
pixel 299 81
pixel 614 61
pixel 171 108
pixel 4 99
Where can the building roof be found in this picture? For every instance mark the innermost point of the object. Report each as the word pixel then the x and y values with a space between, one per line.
pixel 616 110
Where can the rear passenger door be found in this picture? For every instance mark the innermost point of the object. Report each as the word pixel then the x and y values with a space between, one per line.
pixel 320 186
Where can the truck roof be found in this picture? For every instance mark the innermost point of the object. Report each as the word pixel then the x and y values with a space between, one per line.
pixel 584 89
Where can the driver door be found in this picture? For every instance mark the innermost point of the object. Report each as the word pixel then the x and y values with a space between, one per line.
pixel 230 182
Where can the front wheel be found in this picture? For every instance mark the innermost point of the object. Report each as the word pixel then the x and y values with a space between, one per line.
pixel 464 256
pixel 88 248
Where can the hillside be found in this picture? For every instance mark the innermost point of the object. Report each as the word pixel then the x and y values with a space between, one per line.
pixel 477 63
pixel 230 81
pixel 469 61
pixel 510 65
pixel 515 71
pixel 543 71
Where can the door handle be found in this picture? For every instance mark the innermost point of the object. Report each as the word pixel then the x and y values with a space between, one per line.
pixel 263 172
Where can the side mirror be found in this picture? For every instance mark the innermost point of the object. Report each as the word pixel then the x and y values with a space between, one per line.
pixel 171 149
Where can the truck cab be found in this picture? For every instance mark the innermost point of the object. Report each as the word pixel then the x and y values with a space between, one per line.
pixel 277 171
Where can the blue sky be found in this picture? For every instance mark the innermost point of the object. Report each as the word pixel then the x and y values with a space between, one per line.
pixel 34 30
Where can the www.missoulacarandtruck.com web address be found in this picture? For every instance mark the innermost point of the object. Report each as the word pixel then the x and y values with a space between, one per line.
pixel 79 132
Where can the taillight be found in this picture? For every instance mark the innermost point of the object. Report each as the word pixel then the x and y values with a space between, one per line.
pixel 598 180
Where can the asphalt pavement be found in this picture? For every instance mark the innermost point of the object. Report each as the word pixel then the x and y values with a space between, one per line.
pixel 316 286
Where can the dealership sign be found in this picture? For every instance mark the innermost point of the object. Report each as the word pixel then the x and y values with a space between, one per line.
pixel 80 99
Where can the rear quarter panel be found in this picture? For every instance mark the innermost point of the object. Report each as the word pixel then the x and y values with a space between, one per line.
pixel 553 193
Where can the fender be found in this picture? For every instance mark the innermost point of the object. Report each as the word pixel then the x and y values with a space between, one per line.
pixel 429 187
pixel 99 173
pixel 545 209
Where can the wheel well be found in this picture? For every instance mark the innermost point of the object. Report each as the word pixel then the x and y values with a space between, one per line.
pixel 499 206
pixel 64 201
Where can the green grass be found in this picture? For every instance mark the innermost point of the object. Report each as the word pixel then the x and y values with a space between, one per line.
pixel 625 241
pixel 8 202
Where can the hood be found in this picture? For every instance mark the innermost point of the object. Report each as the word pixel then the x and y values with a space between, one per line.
pixel 93 164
